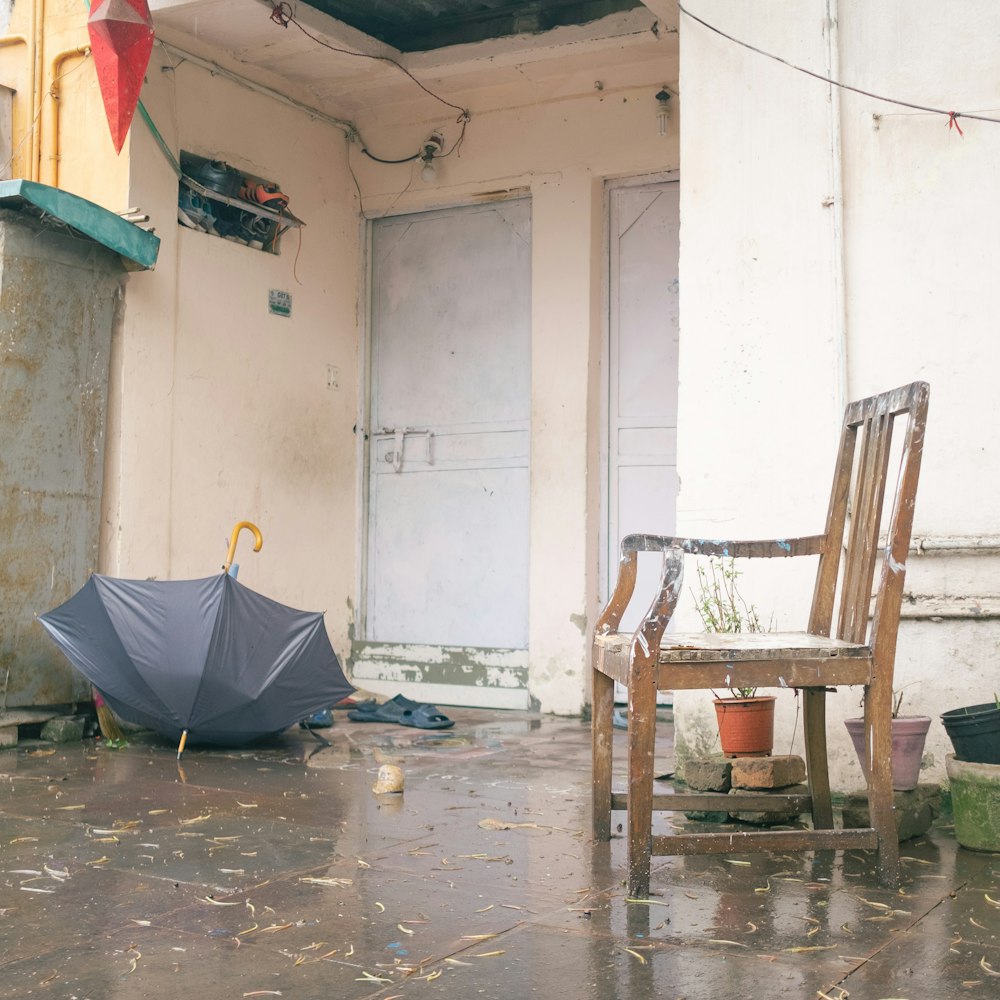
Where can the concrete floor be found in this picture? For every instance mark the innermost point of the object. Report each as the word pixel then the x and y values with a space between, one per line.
pixel 277 872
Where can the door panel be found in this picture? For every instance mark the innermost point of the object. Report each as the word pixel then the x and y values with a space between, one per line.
pixel 642 385
pixel 447 552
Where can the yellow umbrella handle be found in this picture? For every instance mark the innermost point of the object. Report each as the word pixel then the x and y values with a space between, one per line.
pixel 258 541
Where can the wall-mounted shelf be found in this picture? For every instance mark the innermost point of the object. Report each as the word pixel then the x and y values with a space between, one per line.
pixel 207 201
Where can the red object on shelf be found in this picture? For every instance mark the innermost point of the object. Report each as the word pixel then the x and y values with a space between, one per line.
pixel 121 39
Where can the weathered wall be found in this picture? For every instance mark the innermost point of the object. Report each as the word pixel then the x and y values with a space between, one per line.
pixel 60 300
pixel 795 294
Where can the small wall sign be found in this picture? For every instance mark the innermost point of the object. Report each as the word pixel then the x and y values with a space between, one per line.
pixel 279 303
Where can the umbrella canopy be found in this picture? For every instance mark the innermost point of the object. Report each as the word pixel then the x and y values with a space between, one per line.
pixel 208 656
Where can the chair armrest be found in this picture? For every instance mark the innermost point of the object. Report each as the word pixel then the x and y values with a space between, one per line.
pixel 674 549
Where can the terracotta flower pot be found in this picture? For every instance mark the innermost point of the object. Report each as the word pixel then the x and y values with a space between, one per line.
pixel 746 725
pixel 908 737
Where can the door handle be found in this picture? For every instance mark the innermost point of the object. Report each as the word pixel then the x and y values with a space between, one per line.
pixel 399 435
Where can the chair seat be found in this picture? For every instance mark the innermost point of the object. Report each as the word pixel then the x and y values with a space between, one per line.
pixel 691 660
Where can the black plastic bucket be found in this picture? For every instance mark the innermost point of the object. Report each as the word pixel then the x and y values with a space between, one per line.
pixel 975 732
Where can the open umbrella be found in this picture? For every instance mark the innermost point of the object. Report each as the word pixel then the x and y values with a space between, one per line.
pixel 207 657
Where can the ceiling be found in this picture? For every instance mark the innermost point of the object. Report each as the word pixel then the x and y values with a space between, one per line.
pixel 425 25
pixel 359 59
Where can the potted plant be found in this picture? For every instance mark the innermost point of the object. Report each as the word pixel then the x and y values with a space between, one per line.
pixel 974 773
pixel 746 720
pixel 974 732
pixel 909 733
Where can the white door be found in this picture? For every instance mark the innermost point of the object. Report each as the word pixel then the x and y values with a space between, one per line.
pixel 641 490
pixel 446 578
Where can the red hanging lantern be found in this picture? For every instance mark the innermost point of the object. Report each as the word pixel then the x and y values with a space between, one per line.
pixel 121 39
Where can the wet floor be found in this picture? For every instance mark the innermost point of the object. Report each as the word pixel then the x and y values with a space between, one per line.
pixel 277 872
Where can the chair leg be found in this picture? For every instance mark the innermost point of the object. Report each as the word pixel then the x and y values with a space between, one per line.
pixel 881 806
pixel 641 746
pixel 817 768
pixel 602 739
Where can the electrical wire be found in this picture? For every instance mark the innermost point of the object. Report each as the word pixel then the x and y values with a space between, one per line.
pixel 354 177
pixel 379 159
pixel 281 14
pixel 952 116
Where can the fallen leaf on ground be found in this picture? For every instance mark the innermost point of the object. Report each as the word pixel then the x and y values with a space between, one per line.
pixel 987 968
pixel 877 906
pixel 367 977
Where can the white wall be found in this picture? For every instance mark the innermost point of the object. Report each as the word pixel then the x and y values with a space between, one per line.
pixel 761 303
pixel 225 413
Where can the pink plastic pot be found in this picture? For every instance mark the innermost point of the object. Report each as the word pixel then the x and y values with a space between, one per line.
pixel 908 738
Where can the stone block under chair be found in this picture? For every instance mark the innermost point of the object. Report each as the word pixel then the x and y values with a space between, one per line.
pixel 708 774
pixel 915 810
pixel 772 773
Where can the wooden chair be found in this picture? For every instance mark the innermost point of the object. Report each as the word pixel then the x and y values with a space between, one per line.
pixel 812 661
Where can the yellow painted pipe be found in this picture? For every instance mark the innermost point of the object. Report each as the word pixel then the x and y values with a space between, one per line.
pixel 38 40
pixel 180 748
pixel 258 541
pixel 50 122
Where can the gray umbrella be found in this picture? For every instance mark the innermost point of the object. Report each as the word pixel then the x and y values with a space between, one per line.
pixel 207 657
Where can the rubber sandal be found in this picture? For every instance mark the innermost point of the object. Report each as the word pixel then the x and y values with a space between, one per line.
pixel 389 711
pixel 425 717
pixel 318 720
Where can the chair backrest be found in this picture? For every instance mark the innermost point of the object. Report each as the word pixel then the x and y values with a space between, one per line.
pixel 854 520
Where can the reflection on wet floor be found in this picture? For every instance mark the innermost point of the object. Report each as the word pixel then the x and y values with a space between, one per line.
pixel 275 871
